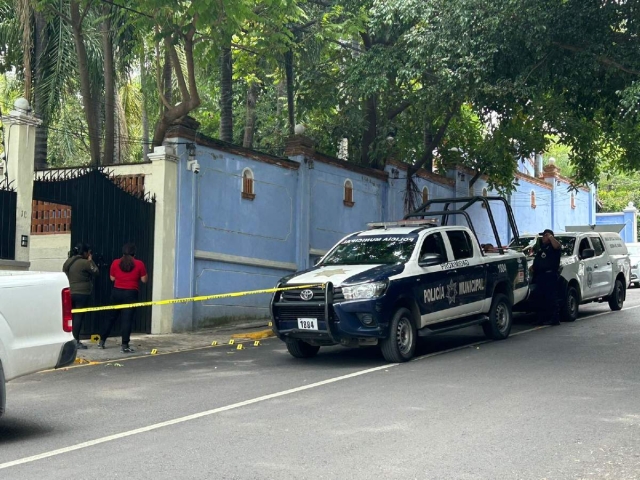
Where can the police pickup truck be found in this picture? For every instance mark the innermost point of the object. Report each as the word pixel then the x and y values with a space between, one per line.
pixel 397 281
pixel 594 267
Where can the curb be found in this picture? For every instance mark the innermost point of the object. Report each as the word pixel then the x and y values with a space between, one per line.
pixel 259 335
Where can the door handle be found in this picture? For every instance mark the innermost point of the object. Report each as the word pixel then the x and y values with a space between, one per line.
pixel 608 263
pixel 595 266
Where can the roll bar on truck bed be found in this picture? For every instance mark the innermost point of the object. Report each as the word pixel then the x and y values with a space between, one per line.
pixel 446 212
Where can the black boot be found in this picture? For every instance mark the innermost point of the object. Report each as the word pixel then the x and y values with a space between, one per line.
pixel 101 345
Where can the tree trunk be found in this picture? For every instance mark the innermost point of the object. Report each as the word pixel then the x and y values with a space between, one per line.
pixel 226 94
pixel 39 102
pixel 370 133
pixel 288 68
pixel 250 122
pixel 109 89
pixel 167 74
pixel 428 144
pixel 88 102
pixel 145 115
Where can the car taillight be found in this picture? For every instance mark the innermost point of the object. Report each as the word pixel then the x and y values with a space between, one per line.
pixel 67 317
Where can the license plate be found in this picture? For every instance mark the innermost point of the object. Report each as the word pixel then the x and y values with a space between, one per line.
pixel 308 323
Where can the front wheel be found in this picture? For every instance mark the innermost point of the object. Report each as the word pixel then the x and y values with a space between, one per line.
pixel 401 343
pixel 616 299
pixel 299 349
pixel 571 306
pixel 500 320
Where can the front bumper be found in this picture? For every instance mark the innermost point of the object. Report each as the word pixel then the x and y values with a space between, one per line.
pixel 67 354
pixel 338 321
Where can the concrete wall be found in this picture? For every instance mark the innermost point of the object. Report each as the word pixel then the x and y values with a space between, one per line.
pixel 49 252
pixel 628 218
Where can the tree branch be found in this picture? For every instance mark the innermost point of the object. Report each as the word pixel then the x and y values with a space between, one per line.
pixel 163 99
pixel 399 109
pixel 599 58
pixel 184 91
pixel 368 43
pixel 85 12
pixel 437 138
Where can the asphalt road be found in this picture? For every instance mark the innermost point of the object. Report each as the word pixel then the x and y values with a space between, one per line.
pixel 551 403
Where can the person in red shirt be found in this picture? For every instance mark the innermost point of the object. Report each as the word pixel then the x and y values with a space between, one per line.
pixel 126 272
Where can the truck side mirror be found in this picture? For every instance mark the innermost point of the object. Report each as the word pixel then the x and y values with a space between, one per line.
pixel 588 253
pixel 430 259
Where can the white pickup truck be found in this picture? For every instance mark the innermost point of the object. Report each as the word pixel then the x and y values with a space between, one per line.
pixel 35 325
pixel 594 266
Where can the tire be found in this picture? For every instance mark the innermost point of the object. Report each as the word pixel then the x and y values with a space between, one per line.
pixel 500 320
pixel 3 392
pixel 300 349
pixel 616 299
pixel 570 305
pixel 400 345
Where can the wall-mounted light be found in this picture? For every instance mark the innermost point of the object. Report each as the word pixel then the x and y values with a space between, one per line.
pixel 24 241
pixel 461 176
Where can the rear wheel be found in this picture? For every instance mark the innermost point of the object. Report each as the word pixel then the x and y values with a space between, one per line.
pixel 500 320
pixel 401 343
pixel 616 299
pixel 299 349
pixel 570 306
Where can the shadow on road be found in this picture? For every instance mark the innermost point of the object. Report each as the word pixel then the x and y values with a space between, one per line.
pixel 16 429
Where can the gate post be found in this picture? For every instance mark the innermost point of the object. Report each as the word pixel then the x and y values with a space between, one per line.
pixel 20 135
pixel 163 182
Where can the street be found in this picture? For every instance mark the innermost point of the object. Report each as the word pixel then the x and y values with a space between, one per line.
pixel 548 403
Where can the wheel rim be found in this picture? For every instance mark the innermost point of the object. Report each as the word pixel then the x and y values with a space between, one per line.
pixel 404 336
pixel 619 295
pixel 572 304
pixel 502 317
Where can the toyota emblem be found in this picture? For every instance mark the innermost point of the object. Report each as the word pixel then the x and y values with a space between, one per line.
pixel 306 295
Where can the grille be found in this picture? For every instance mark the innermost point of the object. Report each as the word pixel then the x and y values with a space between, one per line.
pixel 293 313
pixel 318 295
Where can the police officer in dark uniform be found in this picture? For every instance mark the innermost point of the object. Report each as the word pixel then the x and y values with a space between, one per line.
pixel 546 266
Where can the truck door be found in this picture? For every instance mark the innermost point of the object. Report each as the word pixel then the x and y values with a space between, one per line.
pixel 431 289
pixel 587 268
pixel 470 273
pixel 602 268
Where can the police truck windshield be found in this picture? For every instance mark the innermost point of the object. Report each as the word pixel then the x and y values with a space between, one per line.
pixel 373 250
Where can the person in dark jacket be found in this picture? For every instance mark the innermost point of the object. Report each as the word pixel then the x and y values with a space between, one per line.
pixel 126 272
pixel 545 270
pixel 81 271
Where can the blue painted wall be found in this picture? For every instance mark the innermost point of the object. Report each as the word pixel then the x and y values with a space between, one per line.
pixel 627 217
pixel 227 243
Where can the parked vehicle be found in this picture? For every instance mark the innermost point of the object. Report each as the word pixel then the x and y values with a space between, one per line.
pixel 35 325
pixel 634 258
pixel 397 281
pixel 595 267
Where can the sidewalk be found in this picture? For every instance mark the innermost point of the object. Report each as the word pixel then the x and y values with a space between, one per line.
pixel 173 342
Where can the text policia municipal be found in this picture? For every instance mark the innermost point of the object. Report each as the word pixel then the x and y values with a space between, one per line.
pixel 452 290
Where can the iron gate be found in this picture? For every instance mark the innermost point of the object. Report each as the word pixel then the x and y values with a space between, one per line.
pixel 106 216
pixel 8 204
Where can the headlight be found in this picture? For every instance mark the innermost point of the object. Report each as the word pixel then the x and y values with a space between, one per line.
pixel 364 290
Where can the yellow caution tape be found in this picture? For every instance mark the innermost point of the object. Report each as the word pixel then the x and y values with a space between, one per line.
pixel 191 299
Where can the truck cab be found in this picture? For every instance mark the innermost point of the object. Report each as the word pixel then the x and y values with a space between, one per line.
pixel 396 281
pixel 593 267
